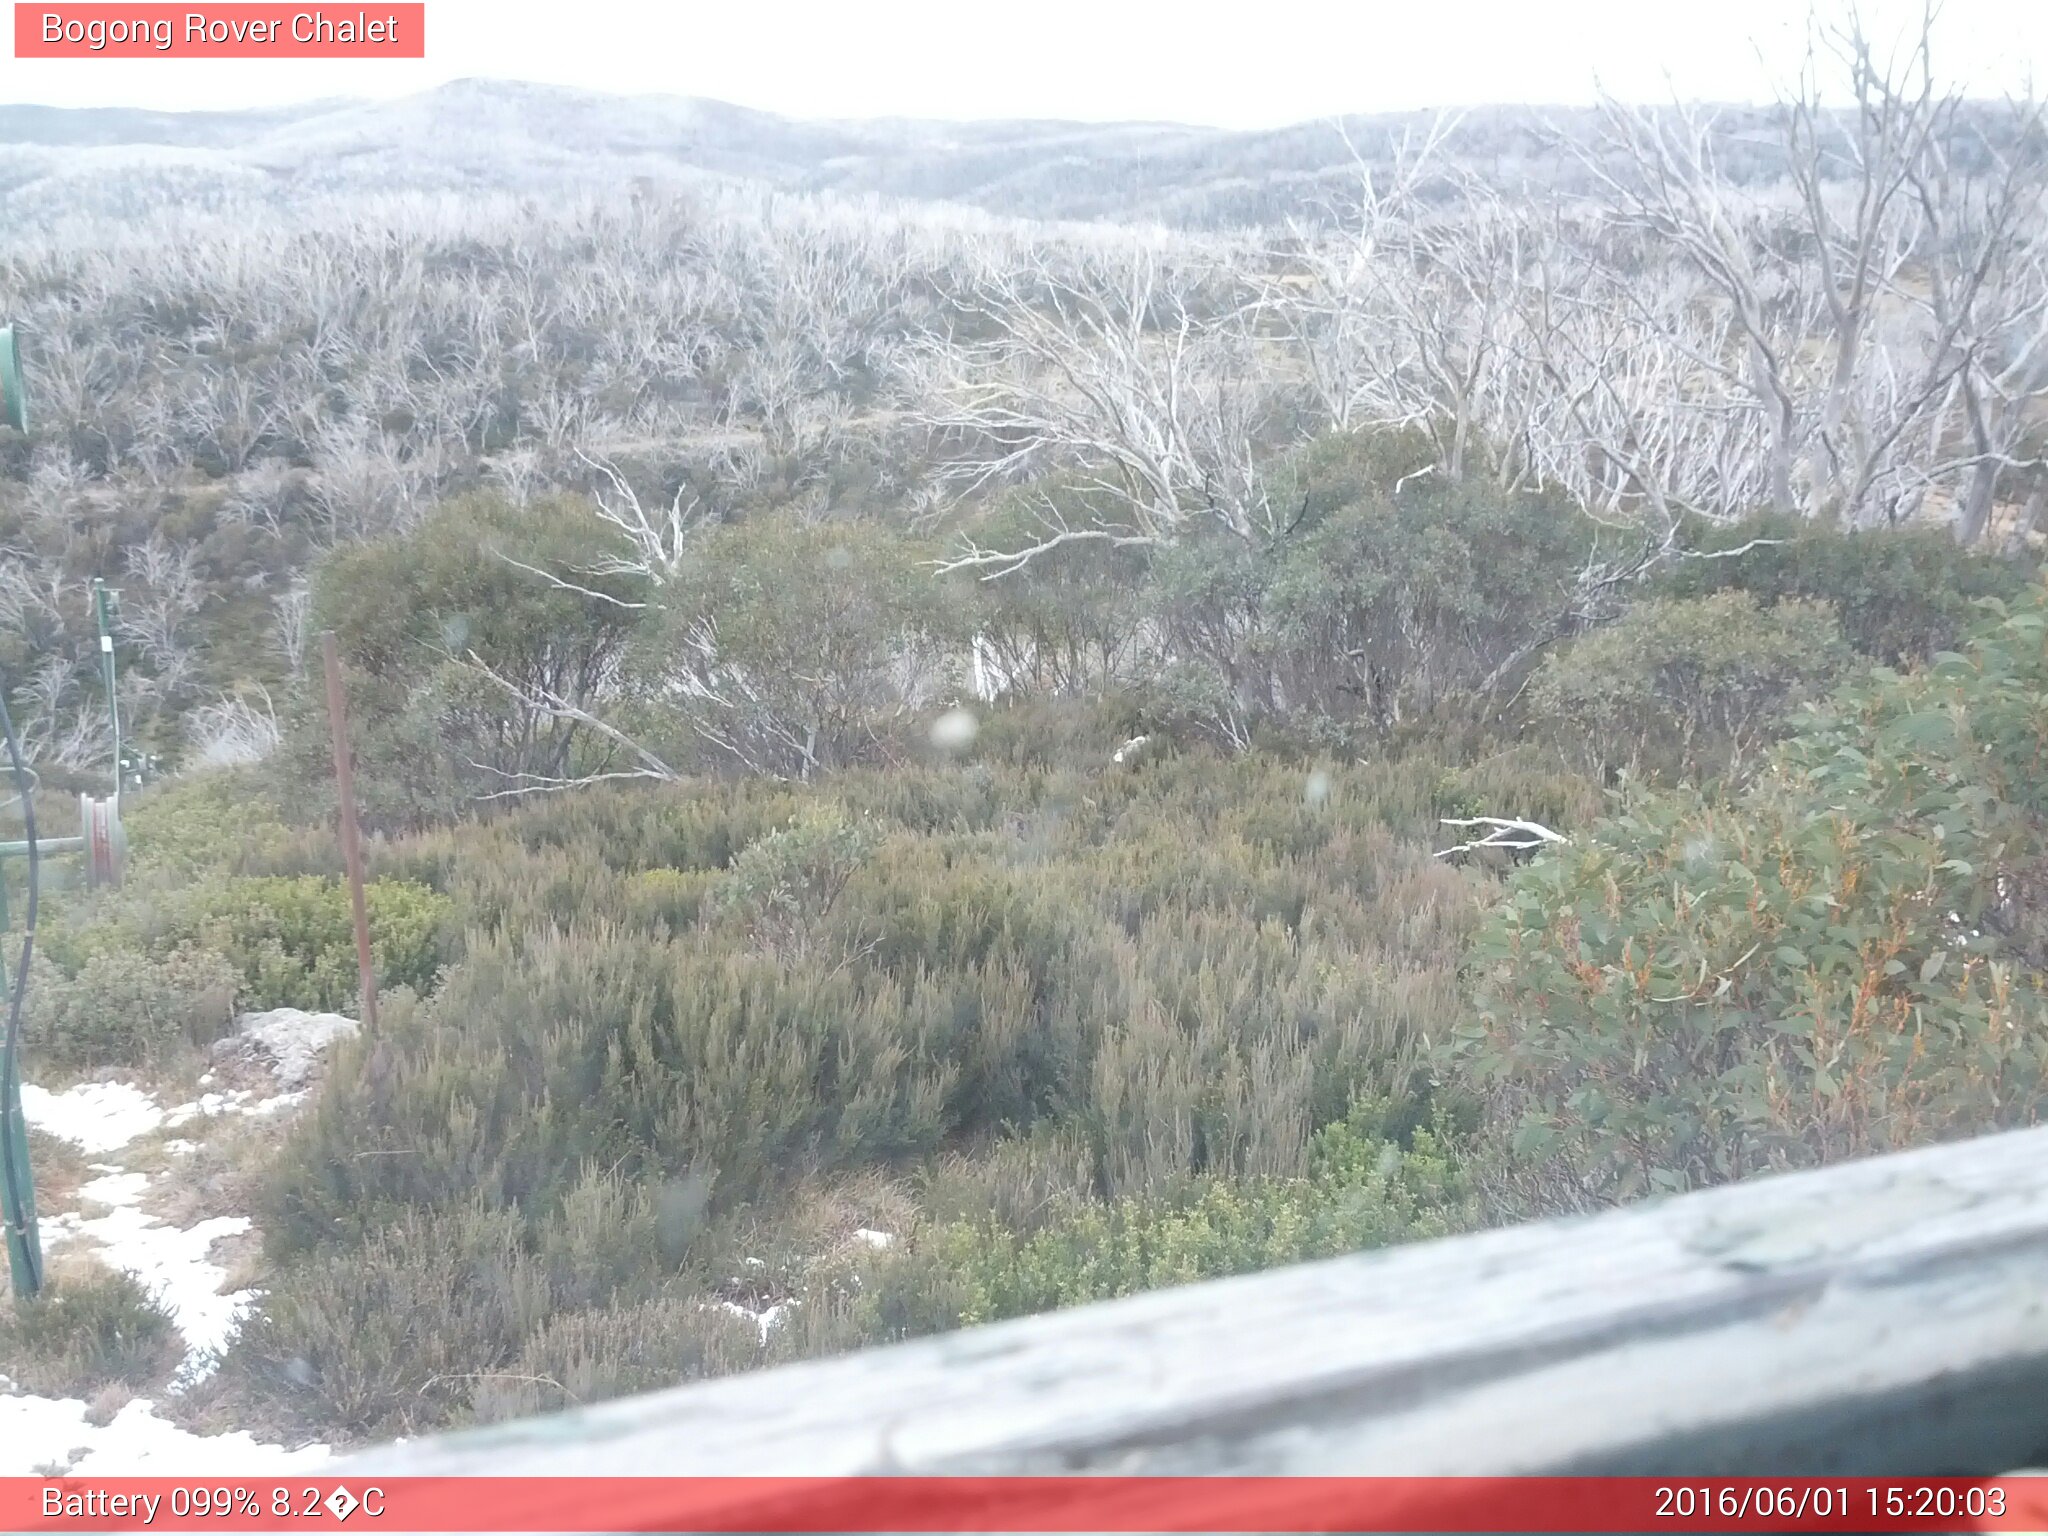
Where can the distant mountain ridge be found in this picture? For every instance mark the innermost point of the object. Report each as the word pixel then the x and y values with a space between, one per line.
pixel 478 134
pixel 101 126
pixel 525 138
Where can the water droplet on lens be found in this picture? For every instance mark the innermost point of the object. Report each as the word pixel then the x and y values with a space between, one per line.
pixel 954 729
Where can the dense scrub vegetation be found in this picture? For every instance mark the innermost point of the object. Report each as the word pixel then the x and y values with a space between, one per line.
pixel 922 771
pixel 968 1009
pixel 684 1017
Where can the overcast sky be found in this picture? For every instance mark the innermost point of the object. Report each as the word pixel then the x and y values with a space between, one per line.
pixel 1233 63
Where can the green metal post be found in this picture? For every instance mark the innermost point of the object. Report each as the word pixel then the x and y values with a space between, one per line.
pixel 24 1237
pixel 102 608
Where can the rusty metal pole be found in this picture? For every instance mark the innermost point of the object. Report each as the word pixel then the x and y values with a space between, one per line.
pixel 351 842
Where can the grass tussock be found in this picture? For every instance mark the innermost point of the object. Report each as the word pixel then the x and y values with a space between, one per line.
pixel 90 1330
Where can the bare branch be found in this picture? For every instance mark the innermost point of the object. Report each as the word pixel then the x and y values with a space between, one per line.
pixel 1508 832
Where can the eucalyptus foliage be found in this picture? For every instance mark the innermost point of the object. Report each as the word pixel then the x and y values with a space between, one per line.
pixel 1844 958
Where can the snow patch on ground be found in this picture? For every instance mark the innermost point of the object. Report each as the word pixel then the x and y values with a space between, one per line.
pixel 94 1117
pixel 766 1320
pixel 236 1101
pixel 175 1264
pixel 105 1117
pixel 53 1432
pixel 172 1263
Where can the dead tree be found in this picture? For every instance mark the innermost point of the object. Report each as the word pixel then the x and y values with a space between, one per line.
pixel 1139 385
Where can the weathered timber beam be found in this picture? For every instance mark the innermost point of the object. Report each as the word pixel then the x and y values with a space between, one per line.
pixel 1888 1316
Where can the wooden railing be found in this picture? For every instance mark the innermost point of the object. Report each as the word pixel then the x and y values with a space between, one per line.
pixel 1886 1317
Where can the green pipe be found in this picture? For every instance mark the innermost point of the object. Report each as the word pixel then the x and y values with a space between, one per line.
pixel 24 1237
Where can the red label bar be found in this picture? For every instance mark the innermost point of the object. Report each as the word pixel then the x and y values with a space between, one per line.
pixel 1017 1504
pixel 379 30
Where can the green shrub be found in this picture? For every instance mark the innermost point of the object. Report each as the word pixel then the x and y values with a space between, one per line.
pixel 613 1236
pixel 1390 603
pixel 1843 959
pixel 1060 625
pixel 668 900
pixel 780 887
pixel 583 1357
pixel 1198 700
pixel 416 614
pixel 393 1333
pixel 1021 732
pixel 87 1331
pixel 291 938
pixel 787 649
pixel 1020 1182
pixel 203 823
pixel 658 1058
pixel 1901 594
pixel 1385 596
pixel 422 1327
pixel 1359 1192
pixel 1690 686
pixel 294 938
pixel 123 1009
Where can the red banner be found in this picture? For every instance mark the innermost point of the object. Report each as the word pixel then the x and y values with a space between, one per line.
pixel 225 31
pixel 1049 1504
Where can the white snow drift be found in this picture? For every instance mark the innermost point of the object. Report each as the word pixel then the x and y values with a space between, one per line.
pixel 174 1263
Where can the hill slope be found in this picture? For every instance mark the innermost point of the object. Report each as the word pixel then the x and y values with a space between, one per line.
pixel 496 135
